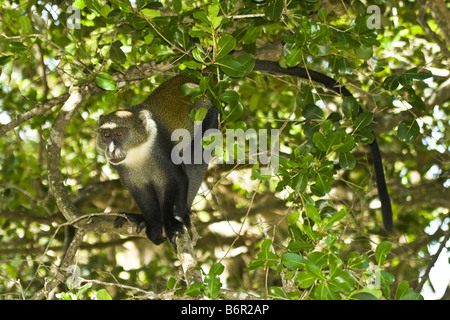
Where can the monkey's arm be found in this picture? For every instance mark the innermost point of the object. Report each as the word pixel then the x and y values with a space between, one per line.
pixel 272 66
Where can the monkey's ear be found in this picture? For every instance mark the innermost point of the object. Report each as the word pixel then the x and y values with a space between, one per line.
pixel 145 117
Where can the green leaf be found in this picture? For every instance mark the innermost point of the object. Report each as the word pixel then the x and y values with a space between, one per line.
pixel 312 111
pixel 79 4
pixel 408 130
pixel 319 50
pixel 213 10
pixel 102 294
pixel 182 38
pixel 247 62
pixel 25 25
pixel 177 5
pixel 201 15
pixel 293 218
pixel 335 269
pixel 363 120
pixel 392 82
pixel 265 258
pixel 274 9
pixel 350 107
pixel 382 251
pixel 17 47
pixel 320 142
pixel 346 145
pixel 347 161
pixel 150 14
pixel 189 89
pixel 116 53
pixel 278 292
pixel 226 43
pixel 355 261
pixel 404 292
pixel 195 290
pixel 198 55
pixel 402 289
pixel 212 281
pixel 414 99
pixel 200 114
pixel 231 66
pixel 305 279
pixel 340 65
pixel 365 135
pixel 386 280
pixel 364 53
pixel 294 56
pixel 217 269
pixel 315 270
pixel 298 245
pixel 366 294
pixel 335 218
pixel 233 111
pixel 344 282
pixel 318 258
pixel 5 59
pixel 363 296
pixel 300 181
pixel 105 11
pixel 293 261
pixel 230 96
pixel 105 81
pixel 162 50
pixel 323 14
pixel 321 292
pixel 94 6
pixel 323 183
pixel 171 283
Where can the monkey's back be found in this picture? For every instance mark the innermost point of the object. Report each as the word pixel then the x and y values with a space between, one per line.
pixel 168 104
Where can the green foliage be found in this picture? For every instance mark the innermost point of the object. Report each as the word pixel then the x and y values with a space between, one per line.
pixel 80 293
pixel 324 274
pixel 211 284
pixel 313 223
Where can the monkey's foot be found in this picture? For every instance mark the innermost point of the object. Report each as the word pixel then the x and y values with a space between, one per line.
pixel 141 224
pixel 154 233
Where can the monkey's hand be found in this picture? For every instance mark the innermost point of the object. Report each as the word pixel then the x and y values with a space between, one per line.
pixel 153 233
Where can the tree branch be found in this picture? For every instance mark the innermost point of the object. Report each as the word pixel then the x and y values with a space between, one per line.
pixel 60 275
pixel 185 250
pixel 140 72
pixel 426 275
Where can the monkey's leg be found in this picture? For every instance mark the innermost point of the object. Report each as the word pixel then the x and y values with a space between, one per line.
pixel 150 217
pixel 175 208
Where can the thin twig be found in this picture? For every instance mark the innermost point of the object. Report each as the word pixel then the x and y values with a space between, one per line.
pixel 426 274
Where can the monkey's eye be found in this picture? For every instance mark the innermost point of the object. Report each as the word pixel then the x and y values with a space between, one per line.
pixel 119 133
pixel 106 134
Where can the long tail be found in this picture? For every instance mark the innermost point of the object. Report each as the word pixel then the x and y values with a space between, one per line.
pixel 272 66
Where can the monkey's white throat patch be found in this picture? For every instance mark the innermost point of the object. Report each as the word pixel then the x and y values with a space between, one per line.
pixel 137 156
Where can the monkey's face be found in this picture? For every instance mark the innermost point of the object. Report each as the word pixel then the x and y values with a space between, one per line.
pixel 113 142
pixel 119 133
